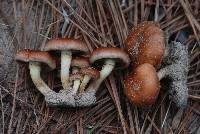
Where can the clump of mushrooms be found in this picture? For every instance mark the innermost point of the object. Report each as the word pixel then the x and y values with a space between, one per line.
pixel 148 51
pixel 145 44
pixel 86 79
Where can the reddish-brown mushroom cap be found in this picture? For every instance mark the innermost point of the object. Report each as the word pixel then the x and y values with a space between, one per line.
pixel 90 71
pixel 142 86
pixel 75 76
pixel 36 55
pixel 145 44
pixel 80 62
pixel 68 44
pixel 118 55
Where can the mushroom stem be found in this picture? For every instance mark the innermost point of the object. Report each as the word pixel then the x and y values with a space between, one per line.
pixel 105 71
pixel 76 86
pixel 35 69
pixel 163 72
pixel 84 83
pixel 66 57
pixel 77 82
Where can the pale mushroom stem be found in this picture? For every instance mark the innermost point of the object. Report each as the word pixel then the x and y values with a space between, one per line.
pixel 105 71
pixel 77 82
pixel 163 72
pixel 35 69
pixel 66 57
pixel 84 83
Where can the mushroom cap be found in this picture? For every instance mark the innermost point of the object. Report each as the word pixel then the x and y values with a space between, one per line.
pixel 145 44
pixel 75 76
pixel 80 62
pixel 142 86
pixel 73 45
pixel 121 57
pixel 90 71
pixel 27 55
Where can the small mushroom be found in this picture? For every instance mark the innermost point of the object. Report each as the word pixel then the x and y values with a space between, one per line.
pixel 145 44
pixel 67 48
pixel 89 73
pixel 76 78
pixel 35 58
pixel 112 57
pixel 142 86
pixel 78 63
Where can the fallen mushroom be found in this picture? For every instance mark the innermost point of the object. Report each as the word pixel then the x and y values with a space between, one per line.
pixel 35 58
pixel 112 57
pixel 145 44
pixel 67 47
pixel 89 73
pixel 175 70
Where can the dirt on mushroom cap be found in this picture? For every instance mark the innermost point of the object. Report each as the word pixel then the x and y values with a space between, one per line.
pixel 142 86
pixel 145 44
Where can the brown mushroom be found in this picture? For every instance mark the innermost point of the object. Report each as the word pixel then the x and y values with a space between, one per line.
pixel 67 47
pixel 112 57
pixel 76 64
pixel 145 44
pixel 142 86
pixel 35 58
pixel 76 77
pixel 89 73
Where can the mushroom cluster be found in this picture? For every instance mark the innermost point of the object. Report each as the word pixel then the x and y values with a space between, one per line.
pixel 152 60
pixel 80 81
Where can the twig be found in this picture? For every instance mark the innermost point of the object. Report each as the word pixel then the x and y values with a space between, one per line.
pixel 2 112
pixel 166 115
pixel 14 101
pixel 156 11
pixel 130 117
pixel 136 13
pixel 113 85
pixel 194 97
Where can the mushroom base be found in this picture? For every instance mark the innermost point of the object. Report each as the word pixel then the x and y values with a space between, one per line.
pixel 86 99
pixel 64 99
pixel 175 68
pixel 67 99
